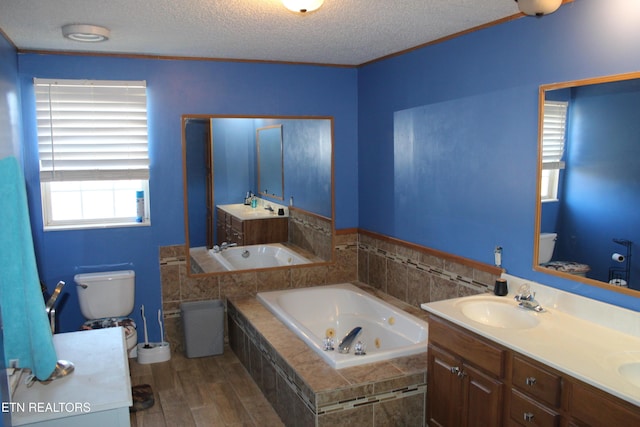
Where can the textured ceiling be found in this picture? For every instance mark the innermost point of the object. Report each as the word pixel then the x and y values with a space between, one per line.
pixel 347 32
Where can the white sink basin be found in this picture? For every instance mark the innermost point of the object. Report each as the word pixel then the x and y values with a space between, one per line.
pixel 247 212
pixel 631 372
pixel 498 314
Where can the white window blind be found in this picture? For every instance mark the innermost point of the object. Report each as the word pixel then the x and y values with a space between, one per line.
pixel 92 130
pixel 553 134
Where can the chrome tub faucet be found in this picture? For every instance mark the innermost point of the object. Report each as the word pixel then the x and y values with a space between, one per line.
pixel 345 344
pixel 223 246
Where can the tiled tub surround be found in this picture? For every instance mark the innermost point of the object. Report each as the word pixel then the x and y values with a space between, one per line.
pixel 178 287
pixel 305 391
pixel 411 273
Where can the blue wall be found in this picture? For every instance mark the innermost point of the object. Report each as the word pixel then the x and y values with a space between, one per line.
pixel 195 136
pixel 176 88
pixel 448 133
pixel 307 161
pixel 602 178
pixel 480 193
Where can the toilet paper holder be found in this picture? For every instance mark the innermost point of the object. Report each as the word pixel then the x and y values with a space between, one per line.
pixel 619 275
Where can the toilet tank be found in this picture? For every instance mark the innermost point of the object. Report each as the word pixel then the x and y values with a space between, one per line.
pixel 106 294
pixel 546 246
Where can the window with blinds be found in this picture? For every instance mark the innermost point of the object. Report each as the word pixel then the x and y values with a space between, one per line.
pixel 553 145
pixel 93 151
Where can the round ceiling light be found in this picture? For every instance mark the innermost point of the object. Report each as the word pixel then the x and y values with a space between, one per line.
pixel 86 33
pixel 538 7
pixel 302 6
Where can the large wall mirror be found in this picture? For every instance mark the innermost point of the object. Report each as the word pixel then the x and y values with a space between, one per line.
pixel 258 192
pixel 587 221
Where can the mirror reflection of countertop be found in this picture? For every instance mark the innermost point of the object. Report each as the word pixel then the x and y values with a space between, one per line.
pixel 97 392
pixel 245 212
pixel 592 341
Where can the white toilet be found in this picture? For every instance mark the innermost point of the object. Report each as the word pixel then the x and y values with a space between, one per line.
pixel 106 298
pixel 546 246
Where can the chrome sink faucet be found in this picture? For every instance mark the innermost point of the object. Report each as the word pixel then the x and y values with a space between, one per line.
pixel 345 345
pixel 527 299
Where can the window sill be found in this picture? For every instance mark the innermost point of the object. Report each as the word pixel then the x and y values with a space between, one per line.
pixel 146 223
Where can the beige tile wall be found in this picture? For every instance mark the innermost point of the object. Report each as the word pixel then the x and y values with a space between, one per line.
pixel 310 232
pixel 408 272
pixel 417 275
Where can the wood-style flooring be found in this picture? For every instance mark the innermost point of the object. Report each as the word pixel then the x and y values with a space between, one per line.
pixel 207 391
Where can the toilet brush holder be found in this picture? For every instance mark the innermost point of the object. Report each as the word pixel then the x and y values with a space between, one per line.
pixel 153 352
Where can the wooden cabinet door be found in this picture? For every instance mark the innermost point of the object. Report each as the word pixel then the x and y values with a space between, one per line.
pixel 483 397
pixel 221 227
pixel 444 387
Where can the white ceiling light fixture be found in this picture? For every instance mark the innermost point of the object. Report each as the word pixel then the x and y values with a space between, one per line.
pixel 302 6
pixel 86 33
pixel 538 7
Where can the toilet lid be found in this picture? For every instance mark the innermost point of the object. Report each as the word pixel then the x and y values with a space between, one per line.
pixel 568 266
pixel 109 322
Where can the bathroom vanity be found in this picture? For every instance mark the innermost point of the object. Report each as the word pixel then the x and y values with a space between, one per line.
pixel 96 393
pixel 250 226
pixel 493 363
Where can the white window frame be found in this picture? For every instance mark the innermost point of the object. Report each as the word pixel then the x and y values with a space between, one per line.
pixel 93 130
pixel 554 129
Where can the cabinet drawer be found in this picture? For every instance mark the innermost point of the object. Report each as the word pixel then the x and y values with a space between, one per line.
pixel 470 348
pixel 537 382
pixel 594 407
pixel 236 223
pixel 527 412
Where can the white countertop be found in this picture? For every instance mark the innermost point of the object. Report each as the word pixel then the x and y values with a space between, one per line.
pixel 246 213
pixel 100 381
pixel 569 337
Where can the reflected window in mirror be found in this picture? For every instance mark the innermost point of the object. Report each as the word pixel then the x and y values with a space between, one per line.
pixel 553 140
pixel 598 183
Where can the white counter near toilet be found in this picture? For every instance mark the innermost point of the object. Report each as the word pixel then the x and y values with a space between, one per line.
pixel 97 393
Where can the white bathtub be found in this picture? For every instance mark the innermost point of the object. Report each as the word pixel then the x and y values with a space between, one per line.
pixel 257 256
pixel 387 331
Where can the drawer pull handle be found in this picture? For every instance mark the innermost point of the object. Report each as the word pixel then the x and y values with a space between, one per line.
pixel 530 381
pixel 459 372
pixel 528 417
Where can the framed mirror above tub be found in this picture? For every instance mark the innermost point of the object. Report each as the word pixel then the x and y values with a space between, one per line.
pixel 258 192
pixel 587 225
pixel 270 162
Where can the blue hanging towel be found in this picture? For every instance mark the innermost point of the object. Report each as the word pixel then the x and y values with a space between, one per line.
pixel 27 333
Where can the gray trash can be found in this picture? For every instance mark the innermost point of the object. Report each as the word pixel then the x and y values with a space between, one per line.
pixel 203 323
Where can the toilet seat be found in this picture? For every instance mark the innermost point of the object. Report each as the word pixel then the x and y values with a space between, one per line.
pixel 129 325
pixel 570 267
